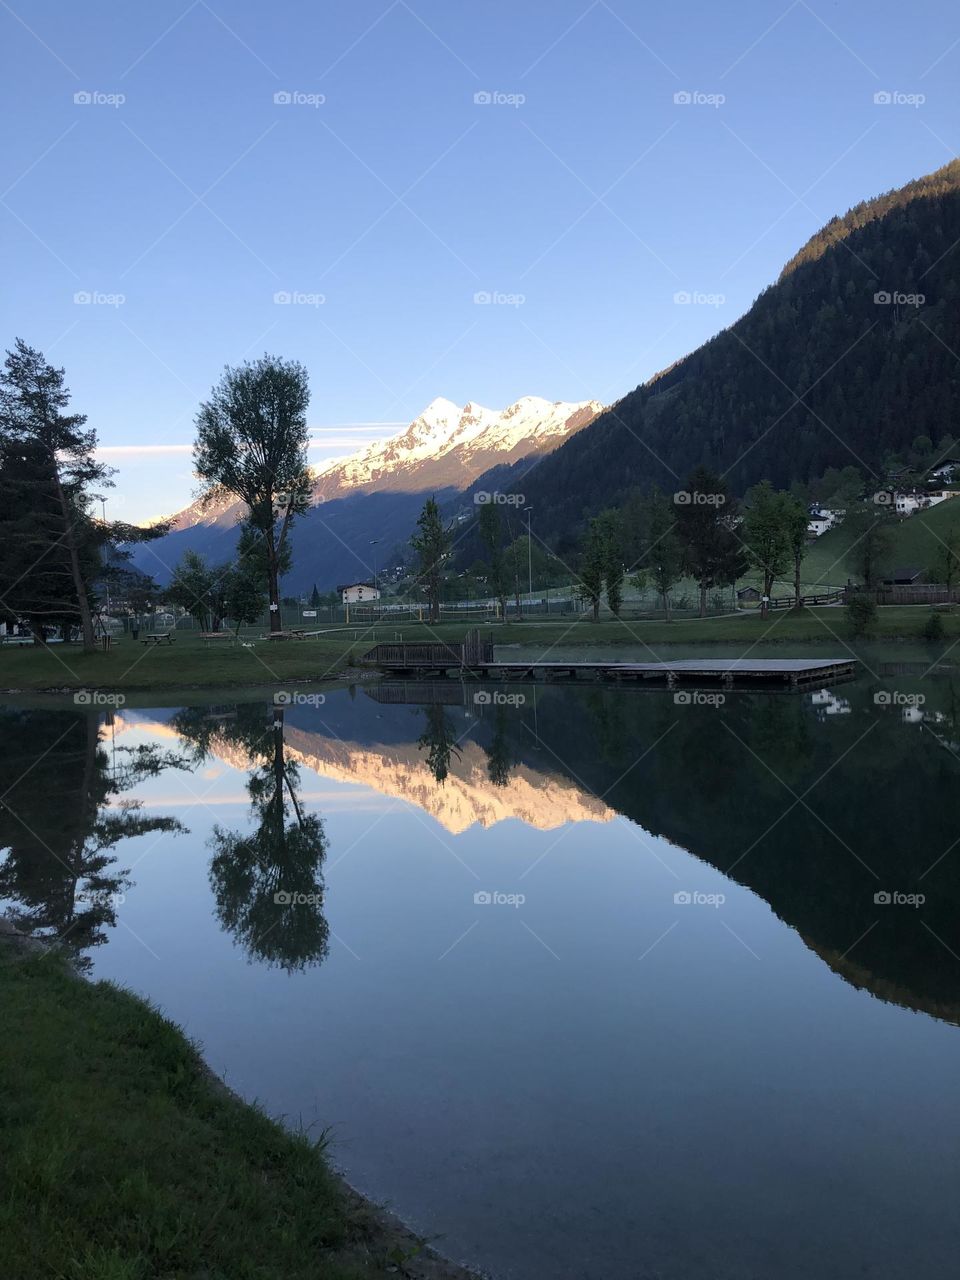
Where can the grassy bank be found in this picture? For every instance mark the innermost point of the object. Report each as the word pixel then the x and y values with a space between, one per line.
pixel 125 1160
pixel 917 541
pixel 130 667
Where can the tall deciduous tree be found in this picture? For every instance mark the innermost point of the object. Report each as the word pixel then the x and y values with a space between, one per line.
pixel 200 589
pixel 613 567
pixel 592 564
pixel 796 519
pixel 706 517
pixel 252 444
pixel 872 546
pixel 491 535
pixel 660 554
pixel 946 560
pixel 431 543
pixel 766 536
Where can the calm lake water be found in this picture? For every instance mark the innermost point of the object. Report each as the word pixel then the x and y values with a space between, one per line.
pixel 591 983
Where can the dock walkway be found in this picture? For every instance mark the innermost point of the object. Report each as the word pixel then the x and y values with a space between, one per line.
pixel 442 660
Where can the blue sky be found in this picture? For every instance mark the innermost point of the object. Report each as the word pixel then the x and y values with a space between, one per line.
pixel 383 197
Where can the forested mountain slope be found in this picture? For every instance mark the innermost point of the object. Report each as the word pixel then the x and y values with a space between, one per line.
pixel 833 365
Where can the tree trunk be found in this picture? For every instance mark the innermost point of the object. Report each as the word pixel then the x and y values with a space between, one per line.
pixel 797 559
pixel 665 597
pixel 703 599
pixel 273 584
pixel 767 589
pixel 69 537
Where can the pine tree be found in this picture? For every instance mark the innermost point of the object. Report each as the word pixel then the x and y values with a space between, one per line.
pixel 49 454
pixel 432 544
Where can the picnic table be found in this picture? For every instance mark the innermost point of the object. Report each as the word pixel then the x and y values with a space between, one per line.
pixel 158 637
pixel 293 633
pixel 207 636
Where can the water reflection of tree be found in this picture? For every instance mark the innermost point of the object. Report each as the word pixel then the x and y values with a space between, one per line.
pixel 439 740
pixel 498 754
pixel 60 819
pixel 267 883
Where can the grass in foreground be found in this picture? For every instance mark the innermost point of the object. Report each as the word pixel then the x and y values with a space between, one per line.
pixel 129 667
pixel 124 1160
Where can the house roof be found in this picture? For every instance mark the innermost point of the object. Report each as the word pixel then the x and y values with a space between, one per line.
pixel 906 573
pixel 348 586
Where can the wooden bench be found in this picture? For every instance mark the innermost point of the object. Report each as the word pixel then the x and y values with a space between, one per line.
pixel 158 637
pixel 207 636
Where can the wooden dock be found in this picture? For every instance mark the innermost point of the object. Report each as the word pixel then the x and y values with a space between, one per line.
pixel 477 661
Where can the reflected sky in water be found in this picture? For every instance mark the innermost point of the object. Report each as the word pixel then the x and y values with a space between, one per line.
pixel 588 982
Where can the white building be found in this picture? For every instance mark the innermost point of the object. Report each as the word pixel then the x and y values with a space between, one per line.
pixel 906 504
pixel 821 520
pixel 359 593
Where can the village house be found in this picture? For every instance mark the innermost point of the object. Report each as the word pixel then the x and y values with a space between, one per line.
pixel 822 519
pixel 358 593
pixel 905 576
pixel 947 471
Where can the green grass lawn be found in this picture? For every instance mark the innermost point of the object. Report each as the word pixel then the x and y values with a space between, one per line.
pixel 130 668
pixel 916 541
pixel 124 1160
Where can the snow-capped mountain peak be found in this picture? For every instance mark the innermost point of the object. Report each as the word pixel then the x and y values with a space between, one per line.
pixel 447 446
pixel 450 445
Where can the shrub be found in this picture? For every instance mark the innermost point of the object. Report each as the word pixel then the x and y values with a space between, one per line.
pixel 861 614
pixel 933 628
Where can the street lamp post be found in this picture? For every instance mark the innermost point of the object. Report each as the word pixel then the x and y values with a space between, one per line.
pixel 376 599
pixel 99 497
pixel 529 555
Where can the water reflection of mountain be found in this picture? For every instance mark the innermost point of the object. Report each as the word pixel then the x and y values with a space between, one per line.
pixel 816 813
pixel 817 816
pixel 356 740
